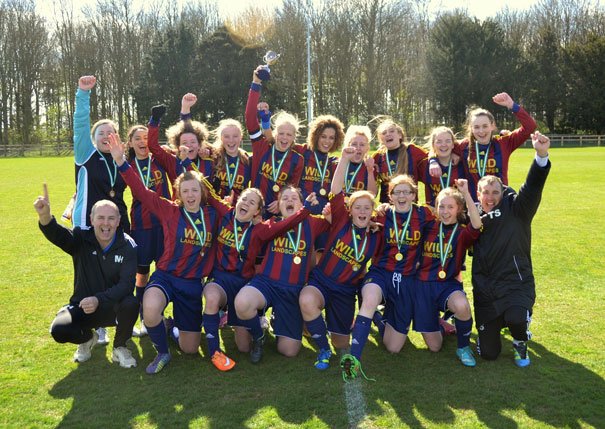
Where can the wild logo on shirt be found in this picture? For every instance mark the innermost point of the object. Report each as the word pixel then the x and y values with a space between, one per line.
pixel 312 174
pixel 411 238
pixel 431 250
pixel 192 238
pixel 222 176
pixel 283 245
pixel 344 252
pixel 227 238
pixel 490 169
pixel 267 172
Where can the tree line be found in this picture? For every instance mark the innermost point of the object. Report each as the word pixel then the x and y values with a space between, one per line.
pixel 369 58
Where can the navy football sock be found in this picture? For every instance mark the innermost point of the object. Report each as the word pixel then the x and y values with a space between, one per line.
pixel 361 330
pixel 377 319
pixel 254 326
pixel 463 331
pixel 318 331
pixel 158 337
pixel 210 324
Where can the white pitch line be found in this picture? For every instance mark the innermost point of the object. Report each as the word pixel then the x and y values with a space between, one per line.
pixel 355 401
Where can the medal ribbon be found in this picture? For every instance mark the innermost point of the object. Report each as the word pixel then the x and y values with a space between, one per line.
pixel 442 254
pixel 449 173
pixel 112 177
pixel 322 171
pixel 275 171
pixel 231 176
pixel 145 179
pixel 201 236
pixel 480 169
pixel 359 253
pixel 239 242
pixel 349 182
pixel 389 163
pixel 296 243
pixel 401 237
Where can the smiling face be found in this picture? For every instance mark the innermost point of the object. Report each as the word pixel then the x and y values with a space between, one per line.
pixel 482 128
pixel 192 143
pixel 390 137
pixel 104 219
pixel 138 142
pixel 326 140
pixel 489 195
pixel 448 210
pixel 361 210
pixel 289 202
pixel 402 196
pixel 443 145
pixel 286 133
pixel 231 138
pixel 361 145
pixel 190 194
pixel 102 133
pixel 248 206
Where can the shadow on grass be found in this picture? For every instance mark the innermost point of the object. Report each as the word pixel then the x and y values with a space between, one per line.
pixel 415 388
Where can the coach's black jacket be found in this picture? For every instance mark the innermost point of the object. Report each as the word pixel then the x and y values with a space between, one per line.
pixel 108 276
pixel 502 268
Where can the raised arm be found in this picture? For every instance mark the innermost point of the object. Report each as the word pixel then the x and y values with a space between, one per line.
pixel 83 145
pixel 528 125
pixel 55 233
pixel 372 187
pixel 530 194
pixel 473 212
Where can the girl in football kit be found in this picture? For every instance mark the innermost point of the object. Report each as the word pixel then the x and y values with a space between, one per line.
pixel 485 153
pixel 440 144
pixel 97 176
pixel 442 253
pixel 359 172
pixel 283 273
pixel 274 164
pixel 391 277
pixel 189 227
pixel 334 282
pixel 146 228
pixel 394 156
pixel 232 164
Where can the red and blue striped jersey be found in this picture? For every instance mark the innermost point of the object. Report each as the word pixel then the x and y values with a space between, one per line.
pixel 499 150
pixel 430 262
pixel 432 185
pixel 184 255
pixel 220 178
pixel 262 163
pixel 201 165
pixel 278 263
pixel 311 179
pixel 383 165
pixel 140 216
pixel 356 180
pixel 409 243
pixel 167 161
pixel 339 261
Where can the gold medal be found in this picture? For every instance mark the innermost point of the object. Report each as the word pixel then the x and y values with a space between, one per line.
pixel 441 274
pixel 276 188
pixel 322 192
pixel 112 193
pixel 346 200
pixel 399 256
pixel 201 253
pixel 297 260
pixel 356 267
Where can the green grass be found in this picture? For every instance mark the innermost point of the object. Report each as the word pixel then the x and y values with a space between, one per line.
pixel 564 386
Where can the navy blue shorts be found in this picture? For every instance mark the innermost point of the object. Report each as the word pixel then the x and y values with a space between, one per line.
pixel 430 298
pixel 399 307
pixel 383 278
pixel 186 298
pixel 150 245
pixel 339 302
pixel 231 284
pixel 283 297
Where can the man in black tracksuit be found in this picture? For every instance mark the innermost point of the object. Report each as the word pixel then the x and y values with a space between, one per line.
pixel 503 283
pixel 105 263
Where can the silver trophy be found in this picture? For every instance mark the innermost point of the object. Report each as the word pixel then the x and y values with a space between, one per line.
pixel 265 73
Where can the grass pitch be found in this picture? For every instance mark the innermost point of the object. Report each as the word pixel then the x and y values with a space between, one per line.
pixel 564 386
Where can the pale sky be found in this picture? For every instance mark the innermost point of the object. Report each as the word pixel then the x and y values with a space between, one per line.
pixel 480 8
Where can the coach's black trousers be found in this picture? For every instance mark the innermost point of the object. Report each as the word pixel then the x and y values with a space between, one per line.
pixel 515 318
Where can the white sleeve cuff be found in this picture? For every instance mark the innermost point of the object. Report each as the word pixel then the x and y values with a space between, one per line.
pixel 541 161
